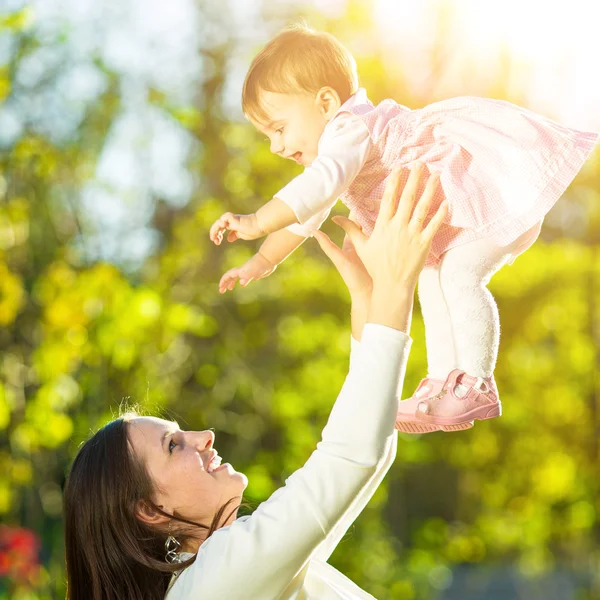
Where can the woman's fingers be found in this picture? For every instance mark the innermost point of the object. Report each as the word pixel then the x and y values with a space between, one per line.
pixel 333 252
pixel 409 193
pixel 353 231
pixel 421 210
pixel 436 220
pixel 347 262
pixel 389 202
pixel 348 246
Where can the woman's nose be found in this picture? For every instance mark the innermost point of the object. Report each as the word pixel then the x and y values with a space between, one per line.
pixel 203 440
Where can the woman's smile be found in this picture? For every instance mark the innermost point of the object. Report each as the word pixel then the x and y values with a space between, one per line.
pixel 214 462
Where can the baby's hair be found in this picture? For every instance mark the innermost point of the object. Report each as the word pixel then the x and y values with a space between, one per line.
pixel 298 59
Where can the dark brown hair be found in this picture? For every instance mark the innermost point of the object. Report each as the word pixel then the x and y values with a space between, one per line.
pixel 110 553
pixel 298 59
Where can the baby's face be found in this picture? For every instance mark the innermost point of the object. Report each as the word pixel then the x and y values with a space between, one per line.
pixel 294 126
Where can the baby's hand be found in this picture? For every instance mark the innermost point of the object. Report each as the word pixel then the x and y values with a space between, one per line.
pixel 240 227
pixel 255 268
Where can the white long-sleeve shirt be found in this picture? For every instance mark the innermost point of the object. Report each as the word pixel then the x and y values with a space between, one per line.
pixel 280 552
pixel 342 151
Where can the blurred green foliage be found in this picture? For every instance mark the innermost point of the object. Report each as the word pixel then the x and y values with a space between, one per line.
pixel 263 365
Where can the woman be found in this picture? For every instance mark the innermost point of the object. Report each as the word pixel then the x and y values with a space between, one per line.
pixel 151 512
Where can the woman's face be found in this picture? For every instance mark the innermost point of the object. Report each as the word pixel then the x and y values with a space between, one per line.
pixel 189 479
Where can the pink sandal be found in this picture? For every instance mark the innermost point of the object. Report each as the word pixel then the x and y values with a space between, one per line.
pixel 451 410
pixel 406 421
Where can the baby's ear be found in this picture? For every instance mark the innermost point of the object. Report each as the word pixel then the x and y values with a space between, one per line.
pixel 328 101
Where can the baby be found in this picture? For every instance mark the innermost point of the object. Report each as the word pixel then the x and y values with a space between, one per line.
pixel 501 168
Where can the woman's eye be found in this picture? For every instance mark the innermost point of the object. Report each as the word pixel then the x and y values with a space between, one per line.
pixel 172 445
pixel 279 131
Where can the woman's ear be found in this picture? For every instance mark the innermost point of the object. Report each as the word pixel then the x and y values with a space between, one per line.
pixel 328 102
pixel 148 514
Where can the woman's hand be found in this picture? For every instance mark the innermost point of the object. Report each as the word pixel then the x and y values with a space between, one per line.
pixel 400 242
pixel 355 276
pixel 396 252
pixel 346 261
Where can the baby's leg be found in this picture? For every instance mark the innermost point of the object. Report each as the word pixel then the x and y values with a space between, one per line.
pixel 465 272
pixel 441 356
pixel 468 391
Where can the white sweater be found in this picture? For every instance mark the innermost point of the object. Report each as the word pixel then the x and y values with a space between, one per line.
pixel 280 552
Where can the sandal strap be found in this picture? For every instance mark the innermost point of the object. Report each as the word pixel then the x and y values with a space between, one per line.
pixel 455 378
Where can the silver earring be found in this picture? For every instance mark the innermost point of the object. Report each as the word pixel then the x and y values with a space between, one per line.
pixel 171 548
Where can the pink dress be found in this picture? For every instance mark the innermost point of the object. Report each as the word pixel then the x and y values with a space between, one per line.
pixel 502 167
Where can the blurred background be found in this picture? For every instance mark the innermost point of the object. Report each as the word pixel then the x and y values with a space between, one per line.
pixel 122 139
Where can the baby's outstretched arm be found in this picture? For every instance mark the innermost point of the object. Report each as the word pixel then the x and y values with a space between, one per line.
pixel 255 268
pixel 275 249
pixel 273 216
pixel 240 227
pixel 344 148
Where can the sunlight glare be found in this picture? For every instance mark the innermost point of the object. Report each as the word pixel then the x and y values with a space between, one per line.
pixel 552 45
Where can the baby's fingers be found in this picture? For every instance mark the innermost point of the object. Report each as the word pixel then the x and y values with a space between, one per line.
pixel 216 231
pixel 221 225
pixel 228 280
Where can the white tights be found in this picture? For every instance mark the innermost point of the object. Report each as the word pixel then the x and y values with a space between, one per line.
pixel 462 325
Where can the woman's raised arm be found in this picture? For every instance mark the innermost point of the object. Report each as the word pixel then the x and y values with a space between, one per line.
pixel 258 556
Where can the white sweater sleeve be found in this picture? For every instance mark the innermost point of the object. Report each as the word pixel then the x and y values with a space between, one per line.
pixel 307 228
pixel 362 499
pixel 258 556
pixel 343 150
